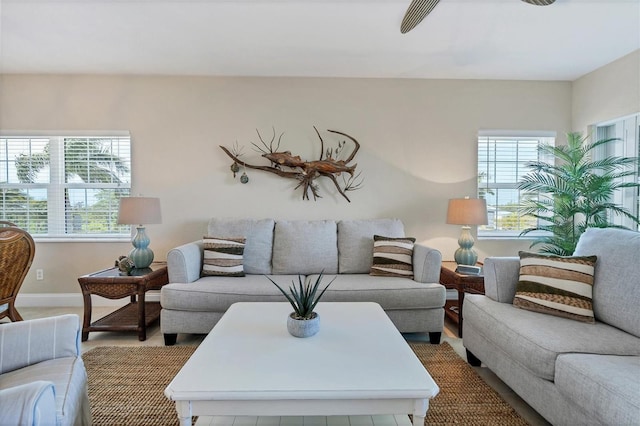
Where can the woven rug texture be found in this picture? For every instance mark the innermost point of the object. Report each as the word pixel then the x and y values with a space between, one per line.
pixel 126 386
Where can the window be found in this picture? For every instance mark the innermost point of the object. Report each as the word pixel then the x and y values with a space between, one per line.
pixel 502 161
pixel 65 186
pixel 628 131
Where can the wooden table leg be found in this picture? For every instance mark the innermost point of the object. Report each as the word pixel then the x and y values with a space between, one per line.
pixel 460 303
pixel 142 320
pixel 86 323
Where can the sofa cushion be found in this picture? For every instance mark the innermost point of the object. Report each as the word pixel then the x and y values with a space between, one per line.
pixel 223 256
pixel 389 292
pixel 305 247
pixel 69 380
pixel 556 285
pixel 606 387
pixel 259 240
pixel 392 257
pixel 217 294
pixel 355 242
pixel 535 340
pixel 616 290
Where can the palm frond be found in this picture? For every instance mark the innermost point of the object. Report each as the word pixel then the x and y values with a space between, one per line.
pixel 28 166
pixel 574 192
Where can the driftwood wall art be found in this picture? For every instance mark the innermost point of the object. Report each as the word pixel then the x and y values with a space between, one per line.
pixel 287 165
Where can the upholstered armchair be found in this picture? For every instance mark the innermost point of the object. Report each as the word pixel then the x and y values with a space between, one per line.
pixel 42 377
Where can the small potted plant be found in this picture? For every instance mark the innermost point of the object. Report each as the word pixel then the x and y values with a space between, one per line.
pixel 303 321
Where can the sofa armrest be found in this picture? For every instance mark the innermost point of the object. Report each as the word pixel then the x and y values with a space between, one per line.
pixel 26 343
pixel 426 264
pixel 184 263
pixel 33 403
pixel 500 278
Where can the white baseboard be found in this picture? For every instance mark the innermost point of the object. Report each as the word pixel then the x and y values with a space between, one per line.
pixel 56 300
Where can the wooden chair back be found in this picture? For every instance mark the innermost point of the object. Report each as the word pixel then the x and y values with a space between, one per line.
pixel 17 250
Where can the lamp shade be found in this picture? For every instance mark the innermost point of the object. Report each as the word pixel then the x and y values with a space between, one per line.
pixel 467 211
pixel 139 211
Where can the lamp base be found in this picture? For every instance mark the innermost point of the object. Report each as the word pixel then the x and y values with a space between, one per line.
pixel 142 258
pixel 141 255
pixel 465 255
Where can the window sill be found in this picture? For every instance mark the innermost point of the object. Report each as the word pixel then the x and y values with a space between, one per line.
pixel 528 237
pixel 82 240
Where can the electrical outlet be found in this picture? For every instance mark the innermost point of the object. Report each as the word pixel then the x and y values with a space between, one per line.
pixel 39 274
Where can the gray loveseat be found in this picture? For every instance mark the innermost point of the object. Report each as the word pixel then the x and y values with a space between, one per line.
pixel 571 372
pixel 42 378
pixel 282 249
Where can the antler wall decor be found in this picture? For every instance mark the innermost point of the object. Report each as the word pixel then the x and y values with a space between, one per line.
pixel 285 164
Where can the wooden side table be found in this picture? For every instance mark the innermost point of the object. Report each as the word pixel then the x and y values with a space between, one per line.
pixel 461 283
pixel 136 315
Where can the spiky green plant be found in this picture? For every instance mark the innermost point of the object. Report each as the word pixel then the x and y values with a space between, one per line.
pixel 574 193
pixel 303 297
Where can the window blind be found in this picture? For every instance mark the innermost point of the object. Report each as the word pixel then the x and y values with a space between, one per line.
pixel 65 186
pixel 502 162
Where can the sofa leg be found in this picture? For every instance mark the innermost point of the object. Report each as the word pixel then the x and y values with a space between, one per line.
pixel 434 337
pixel 170 339
pixel 472 359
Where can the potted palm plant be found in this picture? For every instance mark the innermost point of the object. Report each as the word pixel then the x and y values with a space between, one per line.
pixel 303 321
pixel 574 193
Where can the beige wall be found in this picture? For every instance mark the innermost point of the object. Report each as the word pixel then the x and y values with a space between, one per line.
pixel 607 93
pixel 418 148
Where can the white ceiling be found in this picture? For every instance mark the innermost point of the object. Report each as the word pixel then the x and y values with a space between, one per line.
pixel 477 39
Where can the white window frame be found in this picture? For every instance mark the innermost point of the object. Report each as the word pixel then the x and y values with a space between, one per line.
pixel 56 187
pixel 627 129
pixel 484 232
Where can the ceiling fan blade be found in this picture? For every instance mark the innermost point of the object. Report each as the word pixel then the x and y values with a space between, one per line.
pixel 540 2
pixel 416 12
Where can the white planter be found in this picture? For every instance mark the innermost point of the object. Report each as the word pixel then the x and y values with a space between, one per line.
pixel 303 328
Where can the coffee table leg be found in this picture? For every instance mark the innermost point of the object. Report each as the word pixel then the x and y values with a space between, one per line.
pixel 184 412
pixel 420 408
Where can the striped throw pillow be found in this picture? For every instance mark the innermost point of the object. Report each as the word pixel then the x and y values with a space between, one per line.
pixel 223 256
pixel 392 257
pixel 556 285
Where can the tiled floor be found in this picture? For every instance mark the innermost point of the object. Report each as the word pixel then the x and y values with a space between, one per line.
pixel 154 338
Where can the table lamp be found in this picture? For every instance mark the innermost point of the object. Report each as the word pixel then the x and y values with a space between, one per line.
pixel 466 212
pixel 138 211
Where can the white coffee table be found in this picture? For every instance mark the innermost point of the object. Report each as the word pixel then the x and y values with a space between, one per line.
pixel 249 365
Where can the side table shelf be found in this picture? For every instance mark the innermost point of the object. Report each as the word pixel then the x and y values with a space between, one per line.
pixel 461 283
pixel 138 314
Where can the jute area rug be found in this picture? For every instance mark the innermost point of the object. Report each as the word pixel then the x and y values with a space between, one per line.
pixel 126 386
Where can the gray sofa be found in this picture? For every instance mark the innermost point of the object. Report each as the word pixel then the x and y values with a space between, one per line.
pixel 282 249
pixel 571 372
pixel 42 378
